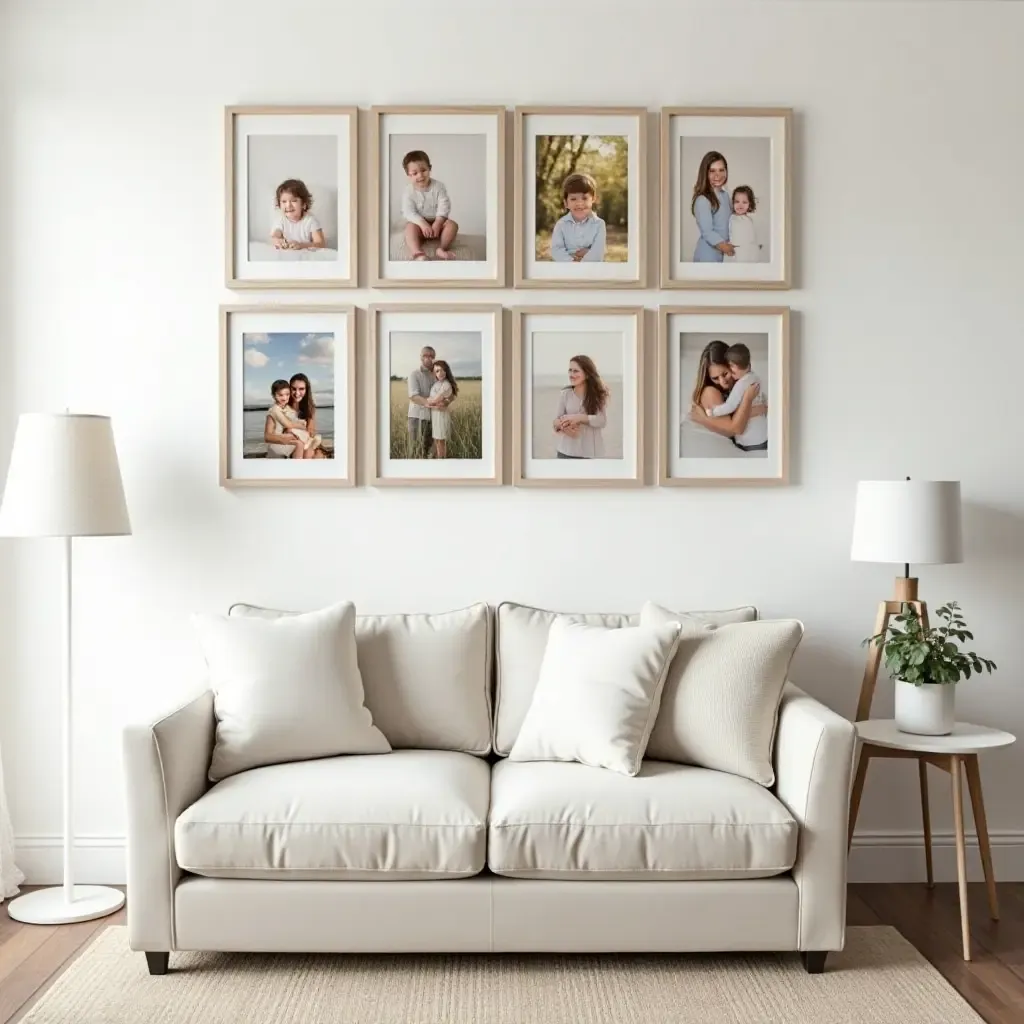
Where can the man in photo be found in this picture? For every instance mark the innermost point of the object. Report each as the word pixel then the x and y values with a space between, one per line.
pixel 579 236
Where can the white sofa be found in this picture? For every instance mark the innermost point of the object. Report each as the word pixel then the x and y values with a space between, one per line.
pixel 444 845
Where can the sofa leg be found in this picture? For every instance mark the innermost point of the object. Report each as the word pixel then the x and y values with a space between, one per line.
pixel 814 960
pixel 157 962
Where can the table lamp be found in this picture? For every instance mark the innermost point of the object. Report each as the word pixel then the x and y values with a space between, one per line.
pixel 64 481
pixel 905 522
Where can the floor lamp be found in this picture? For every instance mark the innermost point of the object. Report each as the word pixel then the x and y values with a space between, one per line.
pixel 64 481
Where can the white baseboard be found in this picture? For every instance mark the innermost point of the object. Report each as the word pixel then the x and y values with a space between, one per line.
pixel 97 860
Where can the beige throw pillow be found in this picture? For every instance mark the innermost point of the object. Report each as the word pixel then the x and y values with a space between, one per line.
pixel 285 689
pixel 597 695
pixel 721 698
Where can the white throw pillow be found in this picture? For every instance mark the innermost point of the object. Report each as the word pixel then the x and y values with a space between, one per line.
pixel 286 689
pixel 721 698
pixel 597 695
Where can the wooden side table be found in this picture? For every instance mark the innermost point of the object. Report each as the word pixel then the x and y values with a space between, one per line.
pixel 880 738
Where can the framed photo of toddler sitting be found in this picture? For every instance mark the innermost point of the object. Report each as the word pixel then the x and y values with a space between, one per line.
pixel 439 186
pixel 580 197
pixel 725 197
pixel 290 197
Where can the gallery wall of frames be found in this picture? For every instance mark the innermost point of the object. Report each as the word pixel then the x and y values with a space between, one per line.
pixel 442 188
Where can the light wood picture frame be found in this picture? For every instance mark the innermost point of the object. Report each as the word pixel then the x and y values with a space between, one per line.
pixel 564 358
pixel 731 233
pixel 720 446
pixel 266 353
pixel 602 151
pixel 467 340
pixel 462 157
pixel 290 196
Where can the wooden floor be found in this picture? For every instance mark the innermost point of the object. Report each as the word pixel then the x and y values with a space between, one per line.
pixel 31 957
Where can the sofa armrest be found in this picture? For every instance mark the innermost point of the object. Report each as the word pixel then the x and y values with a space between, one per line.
pixel 814 749
pixel 165 764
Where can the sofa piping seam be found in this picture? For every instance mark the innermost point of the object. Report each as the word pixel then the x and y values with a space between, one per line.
pixel 168 835
pixel 803 825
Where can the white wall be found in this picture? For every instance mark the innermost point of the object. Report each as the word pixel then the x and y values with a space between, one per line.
pixel 908 307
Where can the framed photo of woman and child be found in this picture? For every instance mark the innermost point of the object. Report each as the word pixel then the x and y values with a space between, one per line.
pixel 290 197
pixel 436 394
pixel 724 405
pixel 580 187
pixel 725 198
pixel 439 186
pixel 578 396
pixel 287 396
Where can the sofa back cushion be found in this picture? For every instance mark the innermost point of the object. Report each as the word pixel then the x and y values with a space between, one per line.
pixel 522 635
pixel 426 677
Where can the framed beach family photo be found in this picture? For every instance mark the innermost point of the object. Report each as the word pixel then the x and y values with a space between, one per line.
pixel 577 396
pixel 290 197
pixel 724 402
pixel 725 197
pixel 287 396
pixel 580 188
pixel 436 387
pixel 438 217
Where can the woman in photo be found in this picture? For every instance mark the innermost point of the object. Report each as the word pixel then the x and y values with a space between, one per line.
pixel 581 413
pixel 444 388
pixel 712 387
pixel 712 208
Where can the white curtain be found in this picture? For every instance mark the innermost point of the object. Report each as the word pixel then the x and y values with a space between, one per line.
pixel 10 876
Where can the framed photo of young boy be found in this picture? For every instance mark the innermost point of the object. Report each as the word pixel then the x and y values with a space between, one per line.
pixel 436 409
pixel 290 197
pixel 724 403
pixel 287 396
pixel 580 175
pixel 439 186
pixel 725 197
pixel 577 396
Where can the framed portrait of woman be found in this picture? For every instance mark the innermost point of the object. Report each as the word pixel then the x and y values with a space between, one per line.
pixel 438 215
pixel 725 197
pixel 580 197
pixel 287 396
pixel 724 402
pixel 578 396
pixel 436 408
pixel 290 197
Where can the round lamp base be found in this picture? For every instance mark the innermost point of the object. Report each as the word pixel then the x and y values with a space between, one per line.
pixel 48 906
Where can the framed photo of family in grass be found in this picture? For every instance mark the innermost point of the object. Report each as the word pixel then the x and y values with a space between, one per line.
pixel 436 406
pixel 290 197
pixel 287 396
pixel 725 197
pixel 439 187
pixel 578 396
pixel 724 405
pixel 580 197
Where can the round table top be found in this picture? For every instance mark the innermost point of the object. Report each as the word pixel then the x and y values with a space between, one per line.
pixel 964 739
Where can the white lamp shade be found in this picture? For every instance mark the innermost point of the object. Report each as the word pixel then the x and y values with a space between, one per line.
pixel 908 521
pixel 63 480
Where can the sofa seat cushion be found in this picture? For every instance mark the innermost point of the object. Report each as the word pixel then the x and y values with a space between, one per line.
pixel 404 815
pixel 552 819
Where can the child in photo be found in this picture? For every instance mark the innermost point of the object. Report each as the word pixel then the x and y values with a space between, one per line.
pixel 579 236
pixel 295 227
pixel 755 437
pixel 581 414
pixel 742 229
pixel 445 387
pixel 286 419
pixel 426 208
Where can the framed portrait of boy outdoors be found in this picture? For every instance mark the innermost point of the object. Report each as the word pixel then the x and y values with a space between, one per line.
pixel 438 215
pixel 723 412
pixel 290 197
pixel 580 187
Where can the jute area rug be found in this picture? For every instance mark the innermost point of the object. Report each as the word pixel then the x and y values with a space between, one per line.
pixel 878 979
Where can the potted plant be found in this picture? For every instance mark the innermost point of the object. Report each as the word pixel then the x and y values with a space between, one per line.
pixel 926 664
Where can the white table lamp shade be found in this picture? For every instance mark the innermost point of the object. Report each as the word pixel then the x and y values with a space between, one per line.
pixel 63 479
pixel 908 521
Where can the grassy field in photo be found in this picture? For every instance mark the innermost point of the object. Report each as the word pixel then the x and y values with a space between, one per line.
pixel 465 438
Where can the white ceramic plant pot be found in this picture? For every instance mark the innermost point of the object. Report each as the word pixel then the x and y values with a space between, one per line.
pixel 925 710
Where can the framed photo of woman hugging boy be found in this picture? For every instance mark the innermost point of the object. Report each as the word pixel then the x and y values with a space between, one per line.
pixel 725 198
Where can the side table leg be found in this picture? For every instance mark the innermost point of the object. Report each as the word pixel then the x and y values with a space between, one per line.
pixel 926 818
pixel 981 827
pixel 961 852
pixel 857 792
